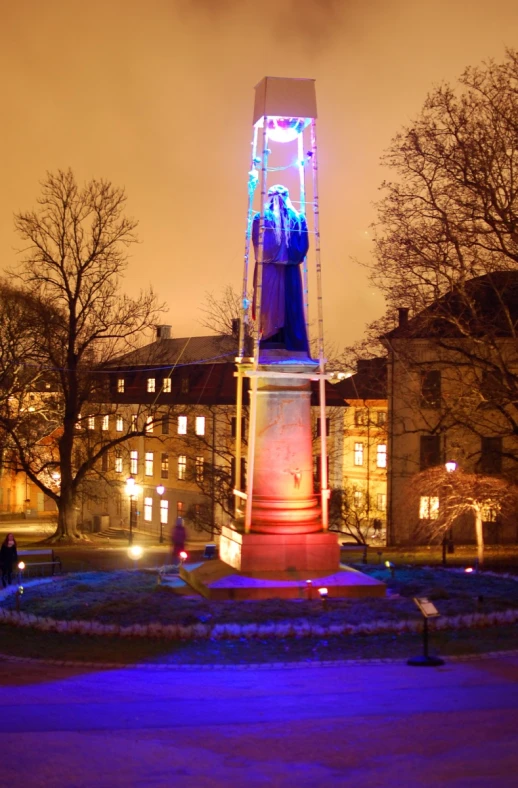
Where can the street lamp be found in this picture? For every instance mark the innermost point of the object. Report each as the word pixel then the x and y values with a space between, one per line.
pixel 131 492
pixel 161 490
pixel 450 466
pixel 447 542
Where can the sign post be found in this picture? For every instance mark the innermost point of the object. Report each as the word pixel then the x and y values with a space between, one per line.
pixel 428 610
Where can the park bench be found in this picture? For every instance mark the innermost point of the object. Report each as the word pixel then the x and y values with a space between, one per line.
pixel 45 557
pixel 354 547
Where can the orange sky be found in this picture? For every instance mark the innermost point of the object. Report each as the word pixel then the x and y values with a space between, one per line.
pixel 157 96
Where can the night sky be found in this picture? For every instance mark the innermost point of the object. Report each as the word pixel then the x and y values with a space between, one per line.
pixel 157 96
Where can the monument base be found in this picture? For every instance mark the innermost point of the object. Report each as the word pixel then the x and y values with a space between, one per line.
pixel 255 552
pixel 219 581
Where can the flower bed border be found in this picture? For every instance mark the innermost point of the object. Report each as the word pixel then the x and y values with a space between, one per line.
pixel 238 631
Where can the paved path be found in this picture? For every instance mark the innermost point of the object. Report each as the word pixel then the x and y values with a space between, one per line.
pixel 358 725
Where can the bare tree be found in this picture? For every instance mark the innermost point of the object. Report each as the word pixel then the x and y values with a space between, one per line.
pixel 349 512
pixel 448 495
pixel 74 256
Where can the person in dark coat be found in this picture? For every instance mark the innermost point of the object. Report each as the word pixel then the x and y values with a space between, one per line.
pixel 284 247
pixel 178 540
pixel 8 559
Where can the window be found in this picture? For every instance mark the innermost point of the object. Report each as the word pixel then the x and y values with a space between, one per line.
pixel 431 388
pixel 91 422
pixel 200 425
pixel 360 417
pixel 166 386
pixel 134 422
pixel 233 426
pixel 428 507
pixel 430 451
pixel 381 455
pixel 358 499
pixel 104 462
pixel 184 386
pixel 149 463
pixel 148 509
pixel 381 418
pixel 106 423
pixel 358 453
pixel 182 425
pixel 134 463
pixel 164 511
pixel 165 425
pixel 119 424
pixel 151 385
pixel 199 468
pixel 118 461
pixel 491 455
pixel 381 502
pixel 319 427
pixel 182 467
pixel 179 509
pixel 149 425
pixel 164 466
pixel 120 386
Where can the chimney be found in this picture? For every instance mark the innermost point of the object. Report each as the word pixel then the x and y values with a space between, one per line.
pixel 402 316
pixel 163 332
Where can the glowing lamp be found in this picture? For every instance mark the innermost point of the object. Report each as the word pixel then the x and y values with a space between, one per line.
pixel 183 556
pixel 468 569
pixel 135 552
pixel 160 489
pixel 450 466
pixel 323 593
pixel 21 566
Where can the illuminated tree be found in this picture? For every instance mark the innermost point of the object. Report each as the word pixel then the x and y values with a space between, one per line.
pixel 445 496
pixel 74 254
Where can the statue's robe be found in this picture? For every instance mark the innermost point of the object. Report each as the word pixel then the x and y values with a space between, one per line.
pixel 282 303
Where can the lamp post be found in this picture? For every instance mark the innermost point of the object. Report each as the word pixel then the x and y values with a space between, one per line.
pixel 160 490
pixel 130 491
pixel 447 542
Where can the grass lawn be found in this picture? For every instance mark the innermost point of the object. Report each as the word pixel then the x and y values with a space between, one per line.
pixel 133 597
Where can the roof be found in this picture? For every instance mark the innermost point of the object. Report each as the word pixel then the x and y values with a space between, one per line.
pixel 182 350
pixel 368 382
pixel 483 306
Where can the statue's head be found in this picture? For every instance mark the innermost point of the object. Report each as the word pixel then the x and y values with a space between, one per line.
pixel 280 190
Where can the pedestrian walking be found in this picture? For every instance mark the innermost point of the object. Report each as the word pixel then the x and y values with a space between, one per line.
pixel 8 559
pixel 178 540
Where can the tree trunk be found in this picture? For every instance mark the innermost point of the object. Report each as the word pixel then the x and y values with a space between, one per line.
pixel 67 518
pixel 479 532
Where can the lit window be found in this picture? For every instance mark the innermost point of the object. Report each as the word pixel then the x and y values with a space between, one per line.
pixel 151 385
pixel 200 425
pixel 360 417
pixel 106 423
pixel 118 462
pixel 179 509
pixel 381 456
pixel 167 385
pixel 148 509
pixel 119 424
pixel 149 463
pixel 358 453
pixel 120 386
pixel 134 462
pixel 164 511
pixel 358 499
pixel 199 468
pixel 164 466
pixel 134 422
pixel 182 425
pixel 91 422
pixel 428 507
pixel 149 424
pixel 182 467
pixel 381 502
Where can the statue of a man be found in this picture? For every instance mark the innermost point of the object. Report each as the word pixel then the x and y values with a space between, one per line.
pixel 285 245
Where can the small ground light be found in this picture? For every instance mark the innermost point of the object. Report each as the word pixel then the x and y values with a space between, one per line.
pixel 183 557
pixel 19 593
pixel 392 568
pixel 135 552
pixel 21 567
pixel 309 589
pixel 323 596
pixel 468 569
